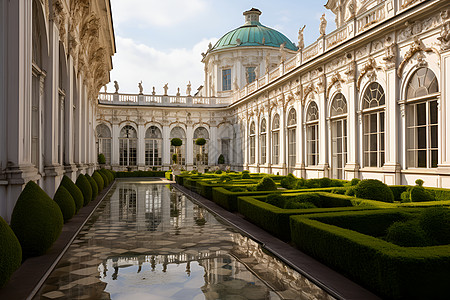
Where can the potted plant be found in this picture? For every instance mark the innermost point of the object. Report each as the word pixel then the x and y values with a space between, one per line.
pixel 221 161
pixel 176 142
pixel 101 159
pixel 200 142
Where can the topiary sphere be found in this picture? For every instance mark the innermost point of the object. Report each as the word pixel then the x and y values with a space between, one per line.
pixel 65 202
pixel 407 234
pixel 85 188
pixel 355 181
pixel 176 142
pixel 245 175
pixel 420 194
pixel 436 223
pixel 105 178
pixel 99 180
pixel 266 184
pixel 108 174
pixel 36 220
pixel 75 191
pixel 94 187
pixel 325 182
pixel 200 141
pixel 101 159
pixel 374 189
pixel 10 252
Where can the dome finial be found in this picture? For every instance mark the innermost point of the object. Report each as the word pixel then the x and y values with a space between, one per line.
pixel 252 16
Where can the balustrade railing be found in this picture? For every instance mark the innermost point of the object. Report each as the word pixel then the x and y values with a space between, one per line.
pixel 161 100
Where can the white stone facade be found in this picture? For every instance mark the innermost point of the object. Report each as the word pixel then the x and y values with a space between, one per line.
pixel 368 100
pixel 54 57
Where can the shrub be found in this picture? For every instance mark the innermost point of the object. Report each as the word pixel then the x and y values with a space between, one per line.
pixel 99 180
pixel 10 252
pixel 65 202
pixel 350 191
pixel 85 188
pixel 299 205
pixel 94 187
pixel 301 183
pixel 289 182
pixel 218 172
pixel 245 175
pixel 108 174
pixel 355 181
pixel 374 190
pixel 221 159
pixel 407 234
pixel 419 194
pixel 313 183
pixel 266 184
pixel 36 220
pixel 276 200
pixel 225 178
pixel 237 189
pixel 419 182
pixel 436 223
pixel 397 190
pixel 101 159
pixel 174 158
pixel 75 191
pixel 104 177
pixel 325 182
pixel 406 196
pixel 176 142
pixel 200 141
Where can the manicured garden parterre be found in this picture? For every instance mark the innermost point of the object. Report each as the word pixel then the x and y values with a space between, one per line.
pixel 390 239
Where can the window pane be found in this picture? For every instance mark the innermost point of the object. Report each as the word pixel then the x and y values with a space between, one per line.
pixel 422 158
pixel 421 114
pixel 433 112
pixel 434 158
pixel 434 136
pixel 226 79
pixel 421 138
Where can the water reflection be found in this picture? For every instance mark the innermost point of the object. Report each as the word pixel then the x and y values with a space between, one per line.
pixel 150 242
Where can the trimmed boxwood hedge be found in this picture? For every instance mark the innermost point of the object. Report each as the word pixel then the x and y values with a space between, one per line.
pixel 160 174
pixel 94 187
pixel 10 252
pixel 75 191
pixel 99 180
pixel 85 188
pixel 276 220
pixel 65 202
pixel 108 174
pixel 36 220
pixel 104 177
pixel 375 190
pixel 391 271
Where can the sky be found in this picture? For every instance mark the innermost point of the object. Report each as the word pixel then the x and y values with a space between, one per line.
pixel 161 41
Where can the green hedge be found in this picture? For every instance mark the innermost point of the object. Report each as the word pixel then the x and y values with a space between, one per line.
pixel 397 190
pixel 75 191
pixel 439 194
pixel 36 220
pixel 94 187
pixel 276 220
pixel 160 174
pixel 168 175
pixel 99 180
pixel 10 252
pixel 65 202
pixel 108 174
pixel 85 187
pixel 391 271
pixel 104 177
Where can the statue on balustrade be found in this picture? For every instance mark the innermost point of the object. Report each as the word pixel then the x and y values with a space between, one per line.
pixel 141 88
pixel 166 87
pixel 301 42
pixel 116 86
pixel 188 89
pixel 323 25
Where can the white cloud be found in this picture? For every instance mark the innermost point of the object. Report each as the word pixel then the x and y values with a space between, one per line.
pixel 164 13
pixel 134 62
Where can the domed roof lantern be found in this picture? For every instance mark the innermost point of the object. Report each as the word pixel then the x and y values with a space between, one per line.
pixel 252 16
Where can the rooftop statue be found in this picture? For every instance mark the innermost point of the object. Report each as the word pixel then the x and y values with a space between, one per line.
pixel 301 42
pixel 188 89
pixel 116 86
pixel 166 87
pixel 153 91
pixel 141 88
pixel 323 25
pixel 283 52
pixel 267 62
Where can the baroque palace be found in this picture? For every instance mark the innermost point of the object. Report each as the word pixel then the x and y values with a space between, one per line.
pixel 368 100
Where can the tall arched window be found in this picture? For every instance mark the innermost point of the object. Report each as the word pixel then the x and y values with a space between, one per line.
pixel 201 156
pixel 373 125
pixel 338 119
pixel 312 134
pixel 263 141
pixel 104 142
pixel 153 146
pixel 128 146
pixel 252 142
pixel 276 140
pixel 291 128
pixel 422 119
pixel 178 132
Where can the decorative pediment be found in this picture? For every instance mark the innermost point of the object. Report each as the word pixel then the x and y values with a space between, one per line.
pixel 416 47
pixel 368 70
pixel 308 90
pixel 336 79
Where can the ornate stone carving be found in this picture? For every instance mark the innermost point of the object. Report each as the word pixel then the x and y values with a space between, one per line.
pixel 390 57
pixel 351 71
pixel 444 36
pixel 336 79
pixel 368 70
pixel 322 83
pixel 59 16
pixel 416 46
pixel 309 89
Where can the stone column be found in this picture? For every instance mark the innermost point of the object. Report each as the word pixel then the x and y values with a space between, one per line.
pixel 352 166
pixel 300 142
pixel 189 147
pixel 391 166
pixel 141 147
pixel 257 142
pixel 69 168
pixel 323 137
pixel 283 140
pixel 444 119
pixel 115 131
pixel 213 147
pixel 166 161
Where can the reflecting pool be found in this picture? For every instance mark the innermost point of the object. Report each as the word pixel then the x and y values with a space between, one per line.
pixel 148 241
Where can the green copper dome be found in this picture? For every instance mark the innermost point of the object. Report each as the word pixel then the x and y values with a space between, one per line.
pixel 253 33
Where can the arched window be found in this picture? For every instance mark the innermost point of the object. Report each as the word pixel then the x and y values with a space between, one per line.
pixel 312 134
pixel 276 140
pixel 263 141
pixel 104 142
pixel 422 119
pixel 291 128
pixel 178 132
pixel 252 142
pixel 373 125
pixel 338 115
pixel 153 146
pixel 128 146
pixel 201 154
